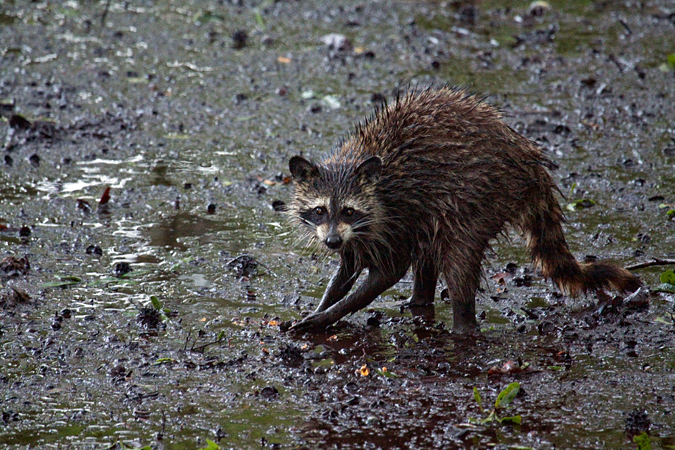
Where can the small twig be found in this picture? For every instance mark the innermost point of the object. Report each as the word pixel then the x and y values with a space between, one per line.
pixel 105 13
pixel 653 262
pixel 625 25
pixel 140 397
pixel 187 339
pixel 201 348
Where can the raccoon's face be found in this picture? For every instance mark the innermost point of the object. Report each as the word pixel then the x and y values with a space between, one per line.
pixel 337 204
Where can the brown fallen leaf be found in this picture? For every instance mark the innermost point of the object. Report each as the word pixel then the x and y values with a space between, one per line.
pixel 105 198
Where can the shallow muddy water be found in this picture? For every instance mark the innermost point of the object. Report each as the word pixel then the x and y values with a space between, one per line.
pixel 191 124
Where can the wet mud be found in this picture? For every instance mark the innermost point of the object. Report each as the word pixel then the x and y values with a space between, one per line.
pixel 150 315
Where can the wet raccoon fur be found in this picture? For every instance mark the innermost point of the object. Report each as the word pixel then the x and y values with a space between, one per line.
pixel 427 182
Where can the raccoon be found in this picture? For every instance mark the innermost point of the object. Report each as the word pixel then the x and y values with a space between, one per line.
pixel 427 182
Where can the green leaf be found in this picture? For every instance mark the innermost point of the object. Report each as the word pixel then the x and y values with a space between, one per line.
pixel 668 277
pixel 78 279
pixel 244 118
pixel 156 303
pixel 515 420
pixel 53 284
pixel 386 374
pixel 488 419
pixel 642 441
pixel 130 447
pixel 671 60
pixel 666 320
pixel 163 361
pixel 476 395
pixel 670 213
pixel 580 203
pixel 206 16
pixel 572 188
pixel 62 282
pixel 507 395
pixel 210 445
pixel 259 19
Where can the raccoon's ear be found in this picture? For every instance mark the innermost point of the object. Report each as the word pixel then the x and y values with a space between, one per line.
pixel 301 169
pixel 369 169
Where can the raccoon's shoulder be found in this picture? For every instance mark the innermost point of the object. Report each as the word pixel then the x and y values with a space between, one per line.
pixel 415 119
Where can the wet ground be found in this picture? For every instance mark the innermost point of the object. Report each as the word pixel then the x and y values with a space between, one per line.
pixel 152 318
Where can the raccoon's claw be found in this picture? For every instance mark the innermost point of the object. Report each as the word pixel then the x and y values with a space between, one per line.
pixel 313 322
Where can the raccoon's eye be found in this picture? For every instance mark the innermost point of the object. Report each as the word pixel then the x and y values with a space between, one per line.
pixel 319 210
pixel 349 212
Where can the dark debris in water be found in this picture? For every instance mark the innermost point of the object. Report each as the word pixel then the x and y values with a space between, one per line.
pixel 83 206
pixel 19 122
pixel 245 266
pixel 122 268
pixel 269 392
pixel 239 39
pixel 12 266
pixel 291 355
pixel 120 373
pixel 94 250
pixel 149 317
pixel 57 321
pixel 637 421
pixel 34 160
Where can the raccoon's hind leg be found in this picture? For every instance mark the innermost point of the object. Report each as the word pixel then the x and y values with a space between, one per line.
pixel 425 277
pixel 341 282
pixel 462 271
pixel 376 283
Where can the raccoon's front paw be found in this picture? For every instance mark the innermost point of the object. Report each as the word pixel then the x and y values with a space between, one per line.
pixel 313 322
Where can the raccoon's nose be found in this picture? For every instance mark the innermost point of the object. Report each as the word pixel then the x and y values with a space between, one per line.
pixel 334 241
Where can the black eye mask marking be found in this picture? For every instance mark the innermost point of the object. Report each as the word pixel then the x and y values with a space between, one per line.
pixel 316 215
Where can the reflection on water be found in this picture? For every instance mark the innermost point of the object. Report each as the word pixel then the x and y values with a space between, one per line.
pixel 91 176
pixel 163 171
pixel 16 192
pixel 171 232
pixel 111 162
pixel 197 279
